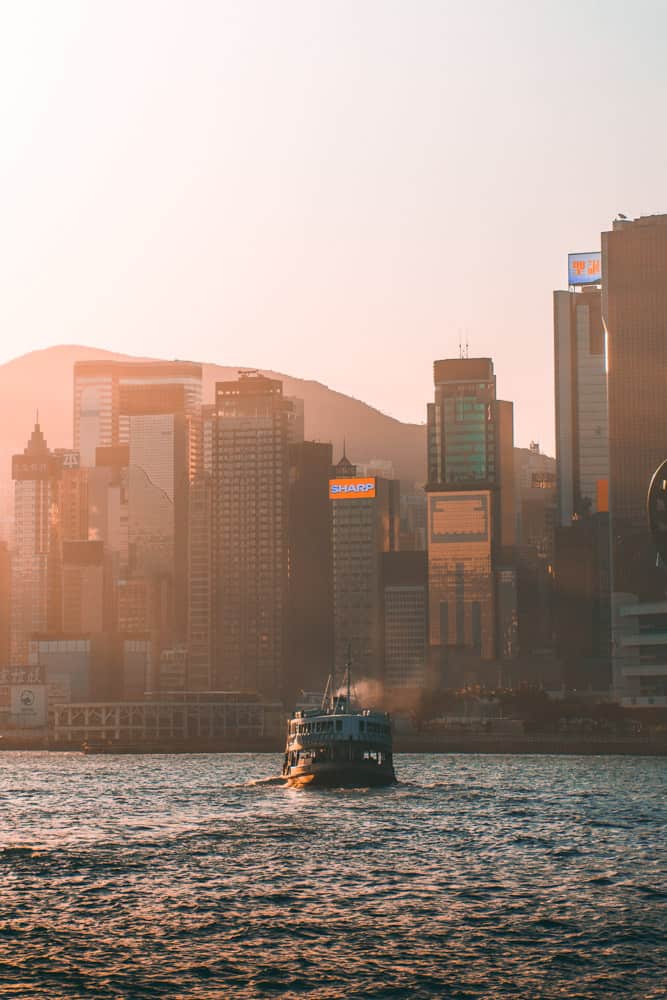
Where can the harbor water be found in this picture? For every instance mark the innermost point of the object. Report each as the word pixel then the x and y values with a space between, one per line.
pixel 199 876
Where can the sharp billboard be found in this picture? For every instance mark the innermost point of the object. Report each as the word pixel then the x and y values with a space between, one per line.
pixel 352 489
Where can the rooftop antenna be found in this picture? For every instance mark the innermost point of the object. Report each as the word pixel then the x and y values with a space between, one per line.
pixel 467 343
pixel 460 346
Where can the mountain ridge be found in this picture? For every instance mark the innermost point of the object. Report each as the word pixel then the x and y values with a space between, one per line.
pixel 330 415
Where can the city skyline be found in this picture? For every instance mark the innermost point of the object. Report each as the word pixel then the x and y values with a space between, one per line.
pixel 333 499
pixel 299 190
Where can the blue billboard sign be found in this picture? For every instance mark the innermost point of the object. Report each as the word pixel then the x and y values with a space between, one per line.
pixel 584 268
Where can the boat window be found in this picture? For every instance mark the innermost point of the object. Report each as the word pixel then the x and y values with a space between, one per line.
pixel 339 725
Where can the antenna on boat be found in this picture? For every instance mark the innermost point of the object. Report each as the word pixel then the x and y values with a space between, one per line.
pixel 349 668
pixel 328 696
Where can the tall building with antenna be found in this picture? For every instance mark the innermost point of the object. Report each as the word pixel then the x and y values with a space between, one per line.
pixel 36 570
pixel 470 532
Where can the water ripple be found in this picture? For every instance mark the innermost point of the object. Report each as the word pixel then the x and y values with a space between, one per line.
pixel 204 877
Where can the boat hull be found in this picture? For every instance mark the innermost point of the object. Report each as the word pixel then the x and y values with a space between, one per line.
pixel 341 774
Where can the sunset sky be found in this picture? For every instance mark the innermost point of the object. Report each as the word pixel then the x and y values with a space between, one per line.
pixel 332 190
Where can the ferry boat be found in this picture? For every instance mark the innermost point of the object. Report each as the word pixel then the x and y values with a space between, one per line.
pixel 339 747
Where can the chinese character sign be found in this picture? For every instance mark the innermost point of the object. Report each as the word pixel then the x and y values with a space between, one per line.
pixel 584 268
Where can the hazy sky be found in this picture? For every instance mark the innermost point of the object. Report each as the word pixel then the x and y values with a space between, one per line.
pixel 332 190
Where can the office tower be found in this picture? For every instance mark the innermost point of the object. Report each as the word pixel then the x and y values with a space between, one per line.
pixel 470 518
pixel 107 489
pixel 36 568
pixel 535 493
pixel 581 602
pixel 250 524
pixel 580 558
pixel 634 308
pixel 73 496
pixel 310 613
pixel 582 436
pixel 365 523
pixel 413 522
pixel 207 437
pixel 535 498
pixel 5 603
pixel 201 580
pixel 98 392
pixel 83 589
pixel 156 419
pixel 201 564
pixel 405 587
pixel 295 420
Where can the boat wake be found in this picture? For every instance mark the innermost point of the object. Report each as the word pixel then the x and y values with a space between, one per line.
pixel 264 782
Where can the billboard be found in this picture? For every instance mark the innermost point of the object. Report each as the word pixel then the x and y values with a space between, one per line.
pixel 584 268
pixel 461 581
pixel 359 487
pixel 27 705
pixel 69 459
pixel 459 517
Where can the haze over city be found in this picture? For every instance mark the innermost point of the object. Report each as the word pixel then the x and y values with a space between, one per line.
pixel 333 191
pixel 333 499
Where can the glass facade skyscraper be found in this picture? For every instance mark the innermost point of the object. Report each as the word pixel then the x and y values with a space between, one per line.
pixel 470 531
pixel 99 420
pixel 461 423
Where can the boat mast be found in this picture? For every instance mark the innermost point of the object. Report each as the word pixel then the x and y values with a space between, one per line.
pixel 328 696
pixel 349 668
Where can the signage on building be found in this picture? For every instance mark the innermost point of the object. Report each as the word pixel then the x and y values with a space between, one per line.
pixel 32 468
pixel 543 481
pixel 70 459
pixel 459 517
pixel 584 268
pixel 27 705
pixel 33 674
pixel 347 489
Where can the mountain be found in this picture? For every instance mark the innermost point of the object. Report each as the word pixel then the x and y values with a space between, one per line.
pixel 42 381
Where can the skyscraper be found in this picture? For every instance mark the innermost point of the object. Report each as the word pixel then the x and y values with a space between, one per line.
pixel 310 611
pixel 365 524
pixel 98 417
pixel 83 588
pixel 405 585
pixel 582 436
pixel 36 565
pixel 251 483
pixel 582 599
pixel 201 581
pixel 634 307
pixel 73 496
pixel 156 420
pixel 470 516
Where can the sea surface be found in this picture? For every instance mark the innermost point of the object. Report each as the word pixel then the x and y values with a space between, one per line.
pixel 194 876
